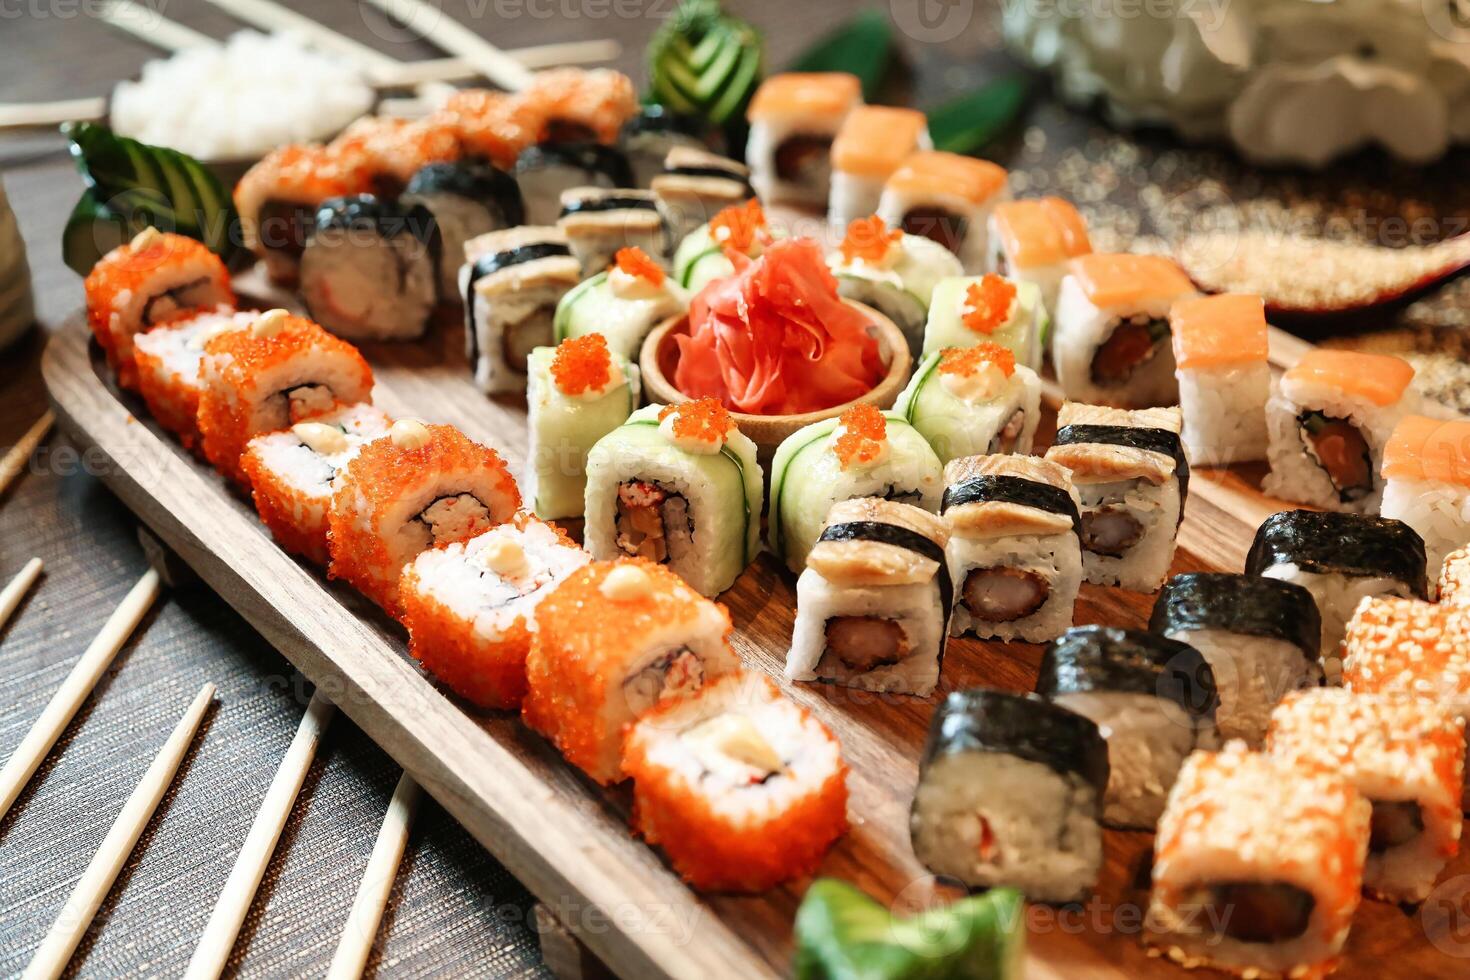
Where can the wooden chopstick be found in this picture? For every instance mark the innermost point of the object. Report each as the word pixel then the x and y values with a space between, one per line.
pixel 76 915
pixel 26 758
pixel 16 590
pixel 377 882
pixel 15 460
pixel 151 26
pixel 49 115
pixel 235 899
pixel 411 73
pixel 454 37
pixel 276 17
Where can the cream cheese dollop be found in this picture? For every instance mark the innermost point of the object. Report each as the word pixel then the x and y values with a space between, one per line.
pixel 409 434
pixel 980 385
pixel 626 583
pixel 505 557
pixel 625 285
pixel 319 437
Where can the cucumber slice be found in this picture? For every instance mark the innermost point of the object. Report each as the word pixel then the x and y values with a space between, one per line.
pixel 562 321
pixel 91 232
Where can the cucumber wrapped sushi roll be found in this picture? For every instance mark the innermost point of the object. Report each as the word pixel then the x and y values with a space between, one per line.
pixel 598 222
pixel 973 401
pixel 623 304
pixel 966 311
pixel 862 453
pixel 468 198
pixel 577 392
pixel 700 258
pixel 696 185
pixel 680 486
pixel 892 272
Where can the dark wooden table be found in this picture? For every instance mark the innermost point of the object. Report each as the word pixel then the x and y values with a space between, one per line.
pixel 454 909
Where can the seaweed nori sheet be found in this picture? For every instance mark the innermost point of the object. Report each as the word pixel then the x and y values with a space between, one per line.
pixel 901 537
pixel 1134 437
pixel 589 157
pixel 1108 659
pixel 609 202
pixel 474 180
pixel 1013 490
pixel 1329 543
pixel 1022 725
pixel 387 219
pixel 489 264
pixel 1246 604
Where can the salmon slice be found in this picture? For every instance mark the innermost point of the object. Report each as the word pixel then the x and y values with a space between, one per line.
pixel 1219 331
pixel 1043 231
pixel 875 140
pixel 935 174
pixel 1122 280
pixel 806 95
pixel 1378 378
pixel 1428 449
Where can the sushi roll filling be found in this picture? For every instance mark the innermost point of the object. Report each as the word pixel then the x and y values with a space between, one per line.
pixel 653 522
pixel 290 405
pixel 1110 531
pixel 1134 342
pixel 1394 822
pixel 451 517
pixel 1002 594
pixel 1339 448
pixel 859 644
pixel 185 296
pixel 1253 911
pixel 674 674
pixel 939 225
pixel 804 159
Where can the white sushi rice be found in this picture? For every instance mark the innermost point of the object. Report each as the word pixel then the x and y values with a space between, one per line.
pixel 916 608
pixel 894 205
pixel 241 99
pixel 1056 558
pixel 1337 596
pixel 300 467
pixel 1144 566
pixel 179 346
pixel 1224 413
pixel 1252 673
pixel 1439 512
pixel 1081 328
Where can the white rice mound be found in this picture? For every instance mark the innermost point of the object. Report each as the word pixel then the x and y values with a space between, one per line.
pixel 915 608
pixel 1225 413
pixel 1439 512
pixel 1252 673
pixel 1057 558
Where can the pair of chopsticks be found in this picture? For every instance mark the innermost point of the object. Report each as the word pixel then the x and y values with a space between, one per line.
pixel 11 466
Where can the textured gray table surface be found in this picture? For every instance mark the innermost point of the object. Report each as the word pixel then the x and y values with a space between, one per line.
pixel 454 910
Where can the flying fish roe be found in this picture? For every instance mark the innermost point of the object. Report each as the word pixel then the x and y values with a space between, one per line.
pixel 582 364
pixel 705 420
pixel 868 239
pixel 988 303
pixel 635 262
pixel 967 360
pixel 599 100
pixel 864 432
pixel 736 226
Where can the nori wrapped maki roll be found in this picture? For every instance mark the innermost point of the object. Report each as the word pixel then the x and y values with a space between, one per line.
pixel 544 170
pixel 467 198
pixel 648 137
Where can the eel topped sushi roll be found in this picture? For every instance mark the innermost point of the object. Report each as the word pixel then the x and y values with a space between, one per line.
pixel 1111 343
pixel 872 606
pixel 652 133
pixel 1426 473
pixel 623 303
pixel 293 473
pixel 152 279
pixel 873 142
pixel 415 488
pixel 794 119
pixel 696 185
pixel 678 485
pixel 547 170
pixel 470 606
pixel 892 272
pixel 612 642
pixel 948 199
pixel 1010 790
pixel 1153 700
pixel 1406 756
pixel 1257 865
pixel 167 361
pixel 1329 421
pixel 277 201
pixel 992 309
pixel 1035 241
pixel 969 401
pixel 702 256
pixel 467 198
pixel 862 453
pixel 1220 348
pixel 599 222
pixel 742 788
pixel 370 270
pixel 1340 559
pixel 577 393
pixel 1261 637
pixel 282 370
pixel 1014 551
pixel 512 281
pixel 1130 471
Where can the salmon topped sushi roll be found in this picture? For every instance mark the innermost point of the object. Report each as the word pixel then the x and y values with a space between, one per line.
pixel 1426 474
pixel 794 119
pixel 1329 423
pixel 167 360
pixel 1111 344
pixel 947 198
pixel 1220 349
pixel 417 487
pixel 612 642
pixel 152 279
pixel 278 197
pixel 873 142
pixel 282 370
pixel 1035 240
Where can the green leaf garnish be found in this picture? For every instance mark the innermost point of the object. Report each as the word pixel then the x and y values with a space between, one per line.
pixel 862 47
pixel 968 123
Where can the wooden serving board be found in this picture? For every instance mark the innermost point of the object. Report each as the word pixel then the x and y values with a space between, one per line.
pixel 567 839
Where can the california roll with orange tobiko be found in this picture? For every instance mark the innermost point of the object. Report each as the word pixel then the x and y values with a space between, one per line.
pixel 776 339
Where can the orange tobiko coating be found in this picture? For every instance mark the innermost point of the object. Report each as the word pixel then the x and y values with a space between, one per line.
pixel 581 364
pixel 736 227
pixel 864 430
pixel 968 360
pixel 868 239
pixel 988 303
pixel 704 420
pixel 635 262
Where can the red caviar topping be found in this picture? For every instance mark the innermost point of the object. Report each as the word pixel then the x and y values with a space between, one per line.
pixel 704 420
pixel 582 364
pixel 989 302
pixel 635 262
pixel 868 239
pixel 968 360
pixel 864 430
pixel 739 222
